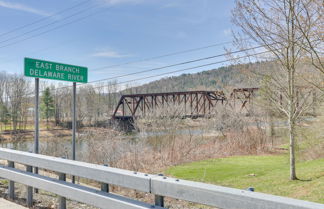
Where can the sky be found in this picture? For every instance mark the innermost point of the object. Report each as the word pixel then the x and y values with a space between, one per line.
pixel 100 33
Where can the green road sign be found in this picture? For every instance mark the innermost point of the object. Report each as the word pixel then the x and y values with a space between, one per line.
pixel 57 71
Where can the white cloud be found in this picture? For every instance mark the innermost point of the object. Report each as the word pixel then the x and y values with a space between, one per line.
pixel 109 54
pixel 22 7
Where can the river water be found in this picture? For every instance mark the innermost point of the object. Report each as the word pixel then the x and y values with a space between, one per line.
pixel 28 145
pixel 82 146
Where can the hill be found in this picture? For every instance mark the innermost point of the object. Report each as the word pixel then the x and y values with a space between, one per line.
pixel 233 76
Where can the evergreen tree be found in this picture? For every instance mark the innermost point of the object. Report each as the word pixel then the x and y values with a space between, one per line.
pixel 4 114
pixel 47 105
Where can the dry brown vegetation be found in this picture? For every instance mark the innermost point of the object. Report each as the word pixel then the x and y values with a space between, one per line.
pixel 166 141
pixel 163 140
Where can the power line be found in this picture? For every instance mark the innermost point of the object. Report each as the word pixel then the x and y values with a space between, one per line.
pixel 55 28
pixel 42 19
pixel 105 67
pixel 52 23
pixel 173 65
pixel 186 69
pixel 177 64
pixel 44 49
pixel 150 58
pixel 167 73
pixel 165 55
pixel 162 56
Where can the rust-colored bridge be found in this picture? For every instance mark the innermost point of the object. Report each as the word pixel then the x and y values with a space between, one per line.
pixel 192 103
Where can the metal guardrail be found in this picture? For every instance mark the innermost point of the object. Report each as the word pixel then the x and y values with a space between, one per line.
pixel 120 177
pixel 160 186
pixel 72 191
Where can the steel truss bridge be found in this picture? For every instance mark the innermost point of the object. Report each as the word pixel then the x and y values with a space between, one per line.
pixel 192 104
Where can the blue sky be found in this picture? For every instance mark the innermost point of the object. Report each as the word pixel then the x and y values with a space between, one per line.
pixel 113 32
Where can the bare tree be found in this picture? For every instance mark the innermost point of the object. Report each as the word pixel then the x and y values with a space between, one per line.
pixel 276 25
pixel 16 91
pixel 309 23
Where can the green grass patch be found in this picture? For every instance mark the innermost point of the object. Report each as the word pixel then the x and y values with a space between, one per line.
pixel 267 174
pixel 28 127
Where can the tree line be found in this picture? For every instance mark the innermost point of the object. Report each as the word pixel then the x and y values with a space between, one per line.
pixel 95 103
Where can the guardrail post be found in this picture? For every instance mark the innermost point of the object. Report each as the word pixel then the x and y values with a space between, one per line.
pixel 159 200
pixel 29 198
pixel 62 200
pixel 36 172
pixel 104 186
pixel 11 189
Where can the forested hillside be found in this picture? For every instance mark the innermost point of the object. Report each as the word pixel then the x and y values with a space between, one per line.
pixel 233 76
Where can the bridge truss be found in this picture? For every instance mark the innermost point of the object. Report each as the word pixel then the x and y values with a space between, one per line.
pixel 241 98
pixel 191 103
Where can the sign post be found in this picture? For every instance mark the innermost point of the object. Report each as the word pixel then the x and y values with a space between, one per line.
pixel 57 71
pixel 36 136
pixel 74 124
pixel 36 142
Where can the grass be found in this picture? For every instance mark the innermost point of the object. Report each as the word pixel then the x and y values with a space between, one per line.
pixel 29 126
pixel 310 138
pixel 267 174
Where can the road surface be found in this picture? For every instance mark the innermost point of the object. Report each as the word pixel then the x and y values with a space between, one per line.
pixel 5 204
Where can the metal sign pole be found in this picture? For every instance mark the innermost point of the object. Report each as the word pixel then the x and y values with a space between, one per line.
pixel 36 144
pixel 73 125
pixel 36 136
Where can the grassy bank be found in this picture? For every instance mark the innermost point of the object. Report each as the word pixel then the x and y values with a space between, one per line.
pixel 267 174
